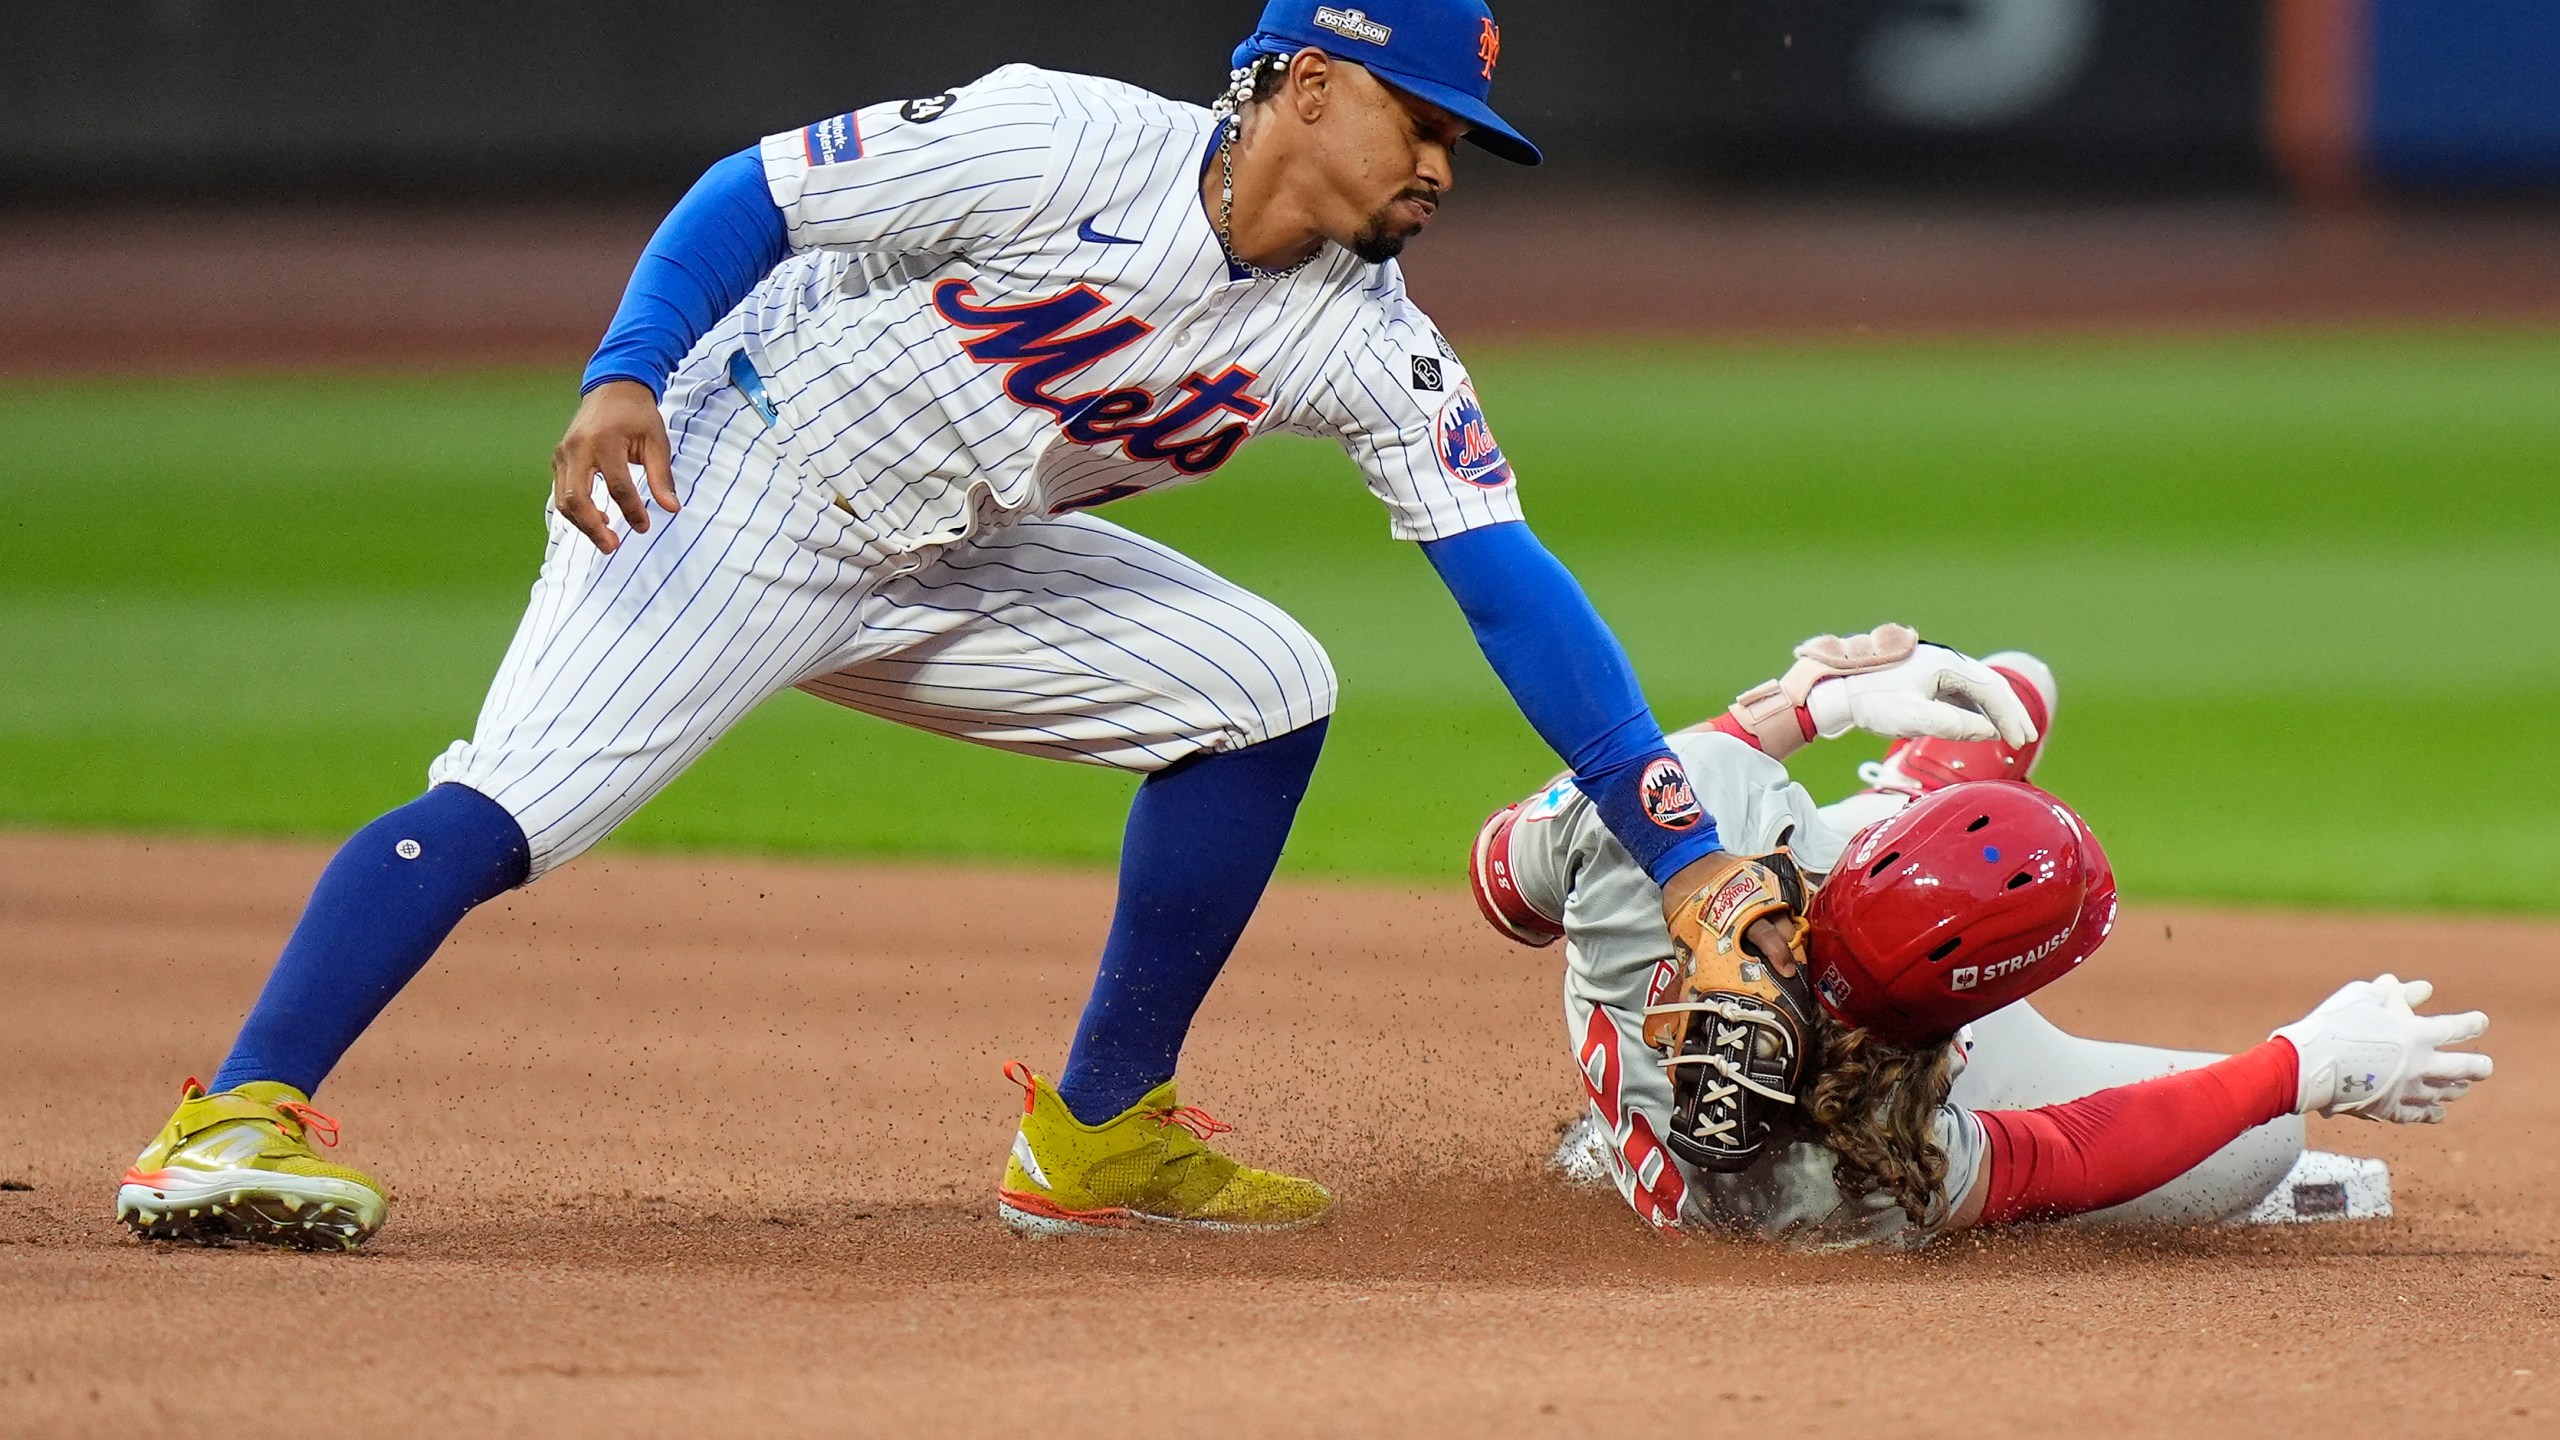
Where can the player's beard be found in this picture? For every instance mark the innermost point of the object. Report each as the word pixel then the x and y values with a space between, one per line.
pixel 1379 240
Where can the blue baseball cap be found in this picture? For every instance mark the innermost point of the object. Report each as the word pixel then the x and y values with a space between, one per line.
pixel 1439 50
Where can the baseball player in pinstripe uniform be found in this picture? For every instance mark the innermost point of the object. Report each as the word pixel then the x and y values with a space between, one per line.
pixel 846 432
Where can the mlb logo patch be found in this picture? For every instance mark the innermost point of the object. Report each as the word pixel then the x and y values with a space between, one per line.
pixel 831 141
pixel 1833 987
pixel 1964 977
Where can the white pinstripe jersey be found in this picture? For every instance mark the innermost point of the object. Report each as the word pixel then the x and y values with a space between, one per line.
pixel 1008 300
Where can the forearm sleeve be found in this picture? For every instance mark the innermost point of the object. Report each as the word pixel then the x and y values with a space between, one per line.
pixel 2108 1148
pixel 722 238
pixel 1572 680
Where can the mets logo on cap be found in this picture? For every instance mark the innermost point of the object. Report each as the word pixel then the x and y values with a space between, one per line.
pixel 1465 441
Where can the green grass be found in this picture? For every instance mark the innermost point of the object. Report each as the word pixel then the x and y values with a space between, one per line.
pixel 2303 594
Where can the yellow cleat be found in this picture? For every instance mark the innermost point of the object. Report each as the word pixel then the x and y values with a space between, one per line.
pixel 239 1166
pixel 1150 1165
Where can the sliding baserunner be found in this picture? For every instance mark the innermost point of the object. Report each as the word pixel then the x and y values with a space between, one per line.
pixel 1836 1046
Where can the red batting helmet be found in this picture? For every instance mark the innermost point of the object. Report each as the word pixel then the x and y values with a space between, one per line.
pixel 1974 896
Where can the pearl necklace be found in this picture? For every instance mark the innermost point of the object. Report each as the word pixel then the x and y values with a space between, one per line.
pixel 1227 212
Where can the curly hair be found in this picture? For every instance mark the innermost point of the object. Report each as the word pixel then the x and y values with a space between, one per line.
pixel 1875 1105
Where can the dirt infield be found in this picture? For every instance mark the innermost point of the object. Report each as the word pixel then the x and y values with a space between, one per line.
pixel 708 1147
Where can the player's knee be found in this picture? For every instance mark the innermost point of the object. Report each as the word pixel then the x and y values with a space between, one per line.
pixel 550 835
pixel 1301 692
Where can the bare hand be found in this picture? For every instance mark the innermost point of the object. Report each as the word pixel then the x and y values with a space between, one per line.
pixel 1768 939
pixel 617 426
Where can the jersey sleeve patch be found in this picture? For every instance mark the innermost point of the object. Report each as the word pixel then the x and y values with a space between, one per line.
pixel 1464 441
pixel 831 141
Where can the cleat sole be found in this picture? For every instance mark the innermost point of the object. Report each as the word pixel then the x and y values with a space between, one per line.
pixel 1034 1218
pixel 301 1212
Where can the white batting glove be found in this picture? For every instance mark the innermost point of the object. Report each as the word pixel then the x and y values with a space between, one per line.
pixel 1936 692
pixel 2367 1052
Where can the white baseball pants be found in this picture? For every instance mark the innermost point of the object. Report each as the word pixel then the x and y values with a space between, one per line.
pixel 1060 636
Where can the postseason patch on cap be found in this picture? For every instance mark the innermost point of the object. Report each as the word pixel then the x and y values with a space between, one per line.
pixel 830 141
pixel 1465 442
pixel 1353 25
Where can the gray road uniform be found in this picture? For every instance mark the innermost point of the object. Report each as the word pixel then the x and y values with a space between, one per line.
pixel 1618 960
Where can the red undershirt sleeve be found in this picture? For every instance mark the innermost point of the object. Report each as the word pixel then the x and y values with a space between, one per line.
pixel 2107 1148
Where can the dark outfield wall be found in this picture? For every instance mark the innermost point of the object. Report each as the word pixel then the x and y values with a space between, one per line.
pixel 124 97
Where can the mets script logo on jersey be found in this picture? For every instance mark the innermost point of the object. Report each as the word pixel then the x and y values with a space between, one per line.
pixel 1352 25
pixel 1039 346
pixel 1668 800
pixel 1465 441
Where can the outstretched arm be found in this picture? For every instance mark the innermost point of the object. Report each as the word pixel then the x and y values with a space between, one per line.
pixel 1573 682
pixel 2365 1052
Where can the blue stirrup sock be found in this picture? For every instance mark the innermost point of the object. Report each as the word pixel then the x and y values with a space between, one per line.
pixel 1203 836
pixel 392 895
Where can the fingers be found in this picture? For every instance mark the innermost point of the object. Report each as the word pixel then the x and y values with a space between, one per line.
pixel 2456 1067
pixel 1981 687
pixel 573 495
pixel 1950 723
pixel 2443 1030
pixel 1901 715
pixel 1767 938
pixel 2416 992
pixel 650 448
pixel 626 495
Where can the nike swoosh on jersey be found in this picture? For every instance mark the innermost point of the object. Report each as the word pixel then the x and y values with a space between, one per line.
pixel 1086 232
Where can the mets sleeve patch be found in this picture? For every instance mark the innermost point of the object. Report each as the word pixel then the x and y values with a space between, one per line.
pixel 1465 443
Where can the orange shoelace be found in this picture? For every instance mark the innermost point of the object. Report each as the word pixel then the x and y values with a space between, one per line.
pixel 1199 1122
pixel 314 1124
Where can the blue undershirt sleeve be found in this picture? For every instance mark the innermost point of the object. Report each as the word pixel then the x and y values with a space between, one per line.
pixel 1573 682
pixel 722 238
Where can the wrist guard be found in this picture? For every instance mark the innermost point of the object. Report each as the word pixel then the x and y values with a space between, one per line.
pixel 1772 713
